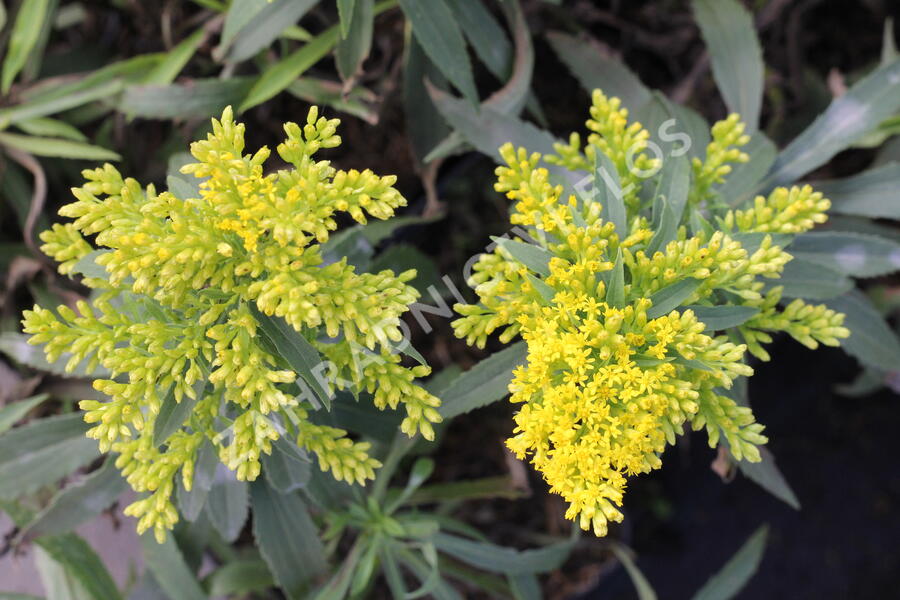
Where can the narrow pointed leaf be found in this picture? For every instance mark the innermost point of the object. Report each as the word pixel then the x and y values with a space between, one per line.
pixel 486 382
pixel 671 297
pixel 43 452
pixel 717 318
pixel 730 35
pixel 804 279
pixel 871 339
pixel 853 254
pixel 596 71
pixel 287 538
pixel 732 578
pixel 16 411
pixel 872 193
pixel 437 31
pixel 56 147
pixel 766 474
pixel 78 503
pixel 851 116
pixel 168 566
pixel 534 257
pixel 25 34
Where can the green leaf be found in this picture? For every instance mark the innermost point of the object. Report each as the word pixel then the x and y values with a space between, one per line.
pixel 525 586
pixel 766 474
pixel 532 256
pixel 805 279
pixel 228 504
pixel 47 127
pixel 287 538
pixel 499 559
pixel 871 339
pixel 717 318
pixel 608 191
pixel 438 33
pixel 889 51
pixel 871 193
pixel 265 27
pixel 201 98
pixel 849 117
pixel 239 15
pixel 56 147
pixel 287 468
pixel 25 34
pixel 737 63
pixel 239 578
pixel 302 357
pixel 353 50
pixel 80 560
pixel 487 37
pixel 641 585
pixel 486 382
pixel 43 452
pixel 615 291
pixel 168 566
pixel 50 103
pixel 16 411
pixel 671 195
pixel 671 297
pixel 854 254
pixel 345 14
pixel 546 292
pixel 595 71
pixel 176 58
pixel 56 580
pixel 173 413
pixel 78 503
pixel 279 76
pixel 488 129
pixel 732 577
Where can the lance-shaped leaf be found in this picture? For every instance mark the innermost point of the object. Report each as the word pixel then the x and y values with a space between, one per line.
pixel 854 254
pixel 671 297
pixel 287 538
pixel 732 578
pixel 872 193
pixel 302 357
pixel 849 117
pixel 737 64
pixel 78 503
pixel 438 33
pixel 43 452
pixel 532 256
pixel 486 382
pixel 168 566
pixel 871 339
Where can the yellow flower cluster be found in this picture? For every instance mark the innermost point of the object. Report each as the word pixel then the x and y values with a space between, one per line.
pixel 619 359
pixel 182 289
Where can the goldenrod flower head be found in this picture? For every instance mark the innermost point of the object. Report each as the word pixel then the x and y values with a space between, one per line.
pixel 618 359
pixel 176 314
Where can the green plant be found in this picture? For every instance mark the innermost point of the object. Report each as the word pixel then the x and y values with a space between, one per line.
pixel 824 259
pixel 638 301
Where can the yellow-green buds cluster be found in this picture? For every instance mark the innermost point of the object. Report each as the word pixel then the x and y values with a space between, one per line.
pixel 724 149
pixel 620 355
pixel 176 314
